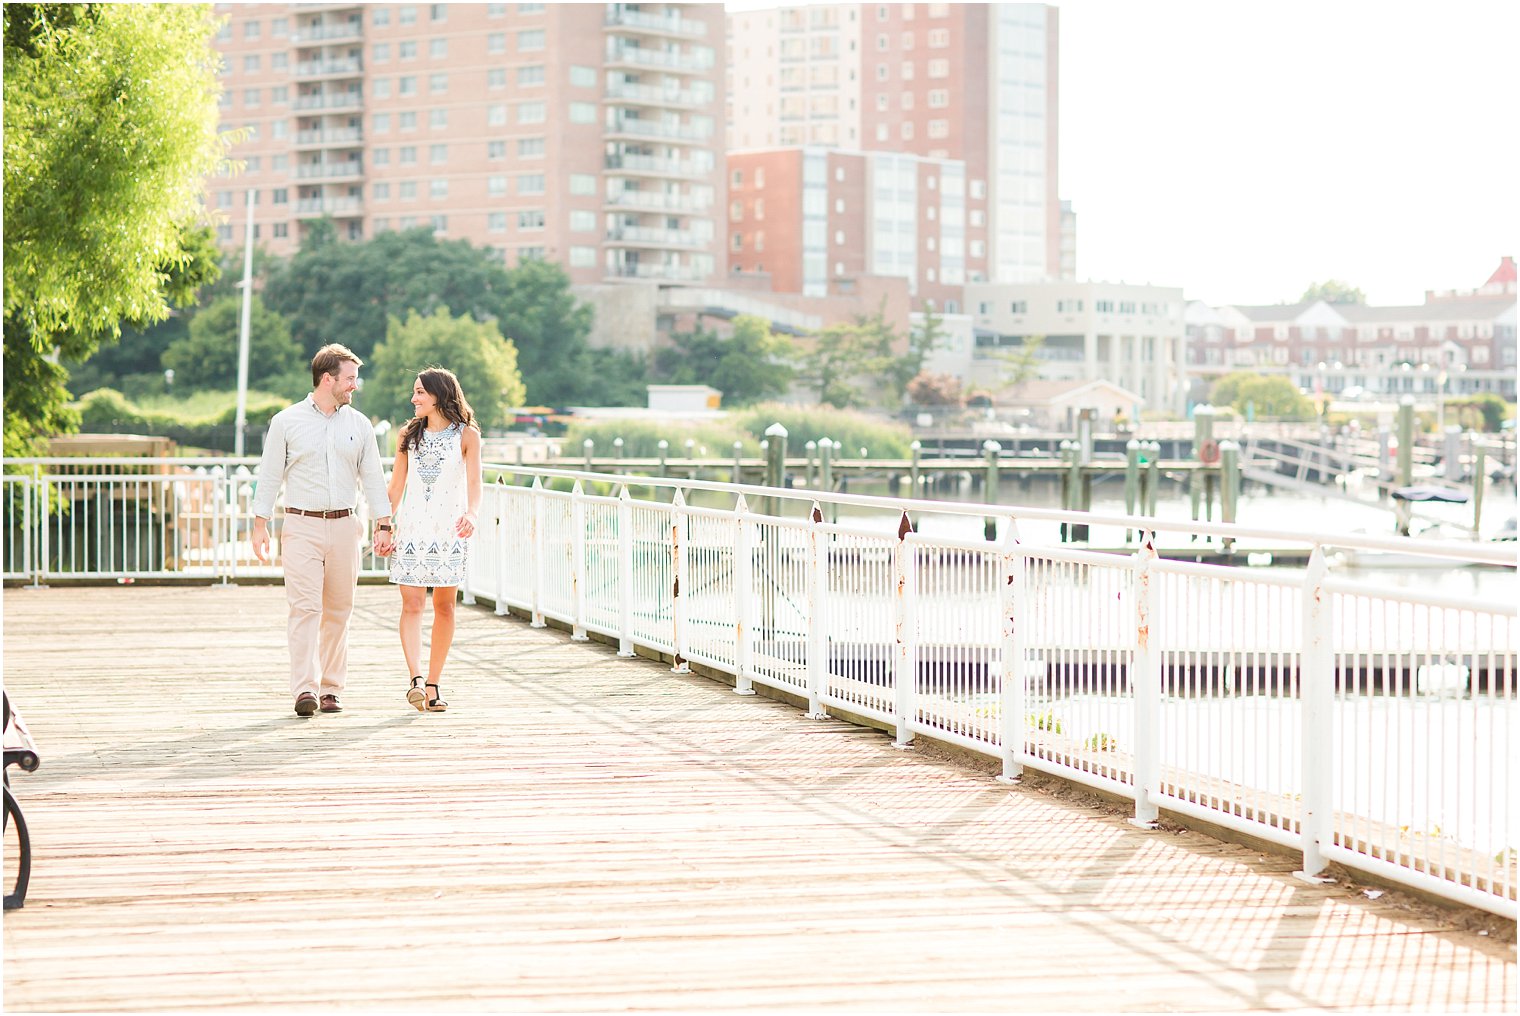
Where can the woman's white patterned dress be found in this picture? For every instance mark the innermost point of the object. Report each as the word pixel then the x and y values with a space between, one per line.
pixel 428 550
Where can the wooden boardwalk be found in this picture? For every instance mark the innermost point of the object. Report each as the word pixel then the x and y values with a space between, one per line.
pixel 582 832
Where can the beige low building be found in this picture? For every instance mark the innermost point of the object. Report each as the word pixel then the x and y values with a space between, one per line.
pixel 1055 405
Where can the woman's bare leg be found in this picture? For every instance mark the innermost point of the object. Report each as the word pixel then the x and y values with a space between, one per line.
pixel 413 598
pixel 443 630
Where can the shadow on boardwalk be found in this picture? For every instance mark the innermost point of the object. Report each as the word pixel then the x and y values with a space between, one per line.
pixel 584 832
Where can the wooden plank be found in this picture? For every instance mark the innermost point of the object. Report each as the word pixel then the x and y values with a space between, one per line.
pixel 585 832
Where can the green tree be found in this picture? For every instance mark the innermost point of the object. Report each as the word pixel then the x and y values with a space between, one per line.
pixel 207 357
pixel 1333 291
pixel 752 364
pixel 845 358
pixel 1274 397
pixel 1017 364
pixel 331 291
pixel 923 339
pixel 110 130
pixel 484 362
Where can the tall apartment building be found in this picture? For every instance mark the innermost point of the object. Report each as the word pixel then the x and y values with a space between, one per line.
pixel 587 134
pixel 971 83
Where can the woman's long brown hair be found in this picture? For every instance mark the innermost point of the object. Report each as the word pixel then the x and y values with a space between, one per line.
pixel 444 387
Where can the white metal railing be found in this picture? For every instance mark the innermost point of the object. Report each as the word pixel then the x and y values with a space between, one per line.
pixel 1367 725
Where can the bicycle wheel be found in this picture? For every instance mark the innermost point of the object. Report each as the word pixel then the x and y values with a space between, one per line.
pixel 18 854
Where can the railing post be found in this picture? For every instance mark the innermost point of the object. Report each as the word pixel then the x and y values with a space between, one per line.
pixel 1014 659
pixel 29 490
pixel 678 562
pixel 625 572
pixel 1145 680
pixel 744 600
pixel 905 662
pixel 536 542
pixel 1316 697
pixel 817 642
pixel 501 545
pixel 218 474
pixel 44 549
pixel 578 561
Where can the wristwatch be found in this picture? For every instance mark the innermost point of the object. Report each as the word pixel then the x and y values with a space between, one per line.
pixel 384 526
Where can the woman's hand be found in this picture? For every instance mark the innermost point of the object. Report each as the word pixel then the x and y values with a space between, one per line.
pixel 465 527
pixel 383 543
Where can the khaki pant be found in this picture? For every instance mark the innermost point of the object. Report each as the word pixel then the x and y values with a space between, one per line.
pixel 321 560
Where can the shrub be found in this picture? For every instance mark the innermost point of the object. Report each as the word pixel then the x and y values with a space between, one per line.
pixel 641 438
pixel 882 439
pixel 206 421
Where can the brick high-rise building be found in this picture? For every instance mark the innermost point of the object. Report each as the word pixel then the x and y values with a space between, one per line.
pixel 971 84
pixel 587 134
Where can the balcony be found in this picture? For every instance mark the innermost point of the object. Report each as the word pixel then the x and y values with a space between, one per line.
pixel 351 169
pixel 335 102
pixel 338 208
pixel 656 24
pixel 667 60
pixel 652 129
pixel 649 95
pixel 654 236
pixel 655 202
pixel 345 67
pixel 342 31
pixel 650 165
pixel 329 137
pixel 673 273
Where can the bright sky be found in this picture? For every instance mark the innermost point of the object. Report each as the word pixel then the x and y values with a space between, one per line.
pixel 1242 149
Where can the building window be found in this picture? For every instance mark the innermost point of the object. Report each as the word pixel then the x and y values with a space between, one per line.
pixel 530 183
pixel 440 12
pixel 438 154
pixel 1019 307
pixel 279 28
pixel 881 72
pixel 583 112
pixel 438 84
pixel 496 10
pixel 408 190
pixel 582 183
pixel 406 85
pixel 738 178
pixel 582 221
pixel 438 49
pixel 939 38
pixel 939 68
pixel 382 87
pixel 907 100
pixel 496 77
pixel 382 17
pixel 736 242
pixel 528 77
pixel 496 186
pixel 496 222
pixel 407 119
pixel 380 191
pixel 440 223
pixel 279 61
pixel 736 211
pixel 759 208
pixel 529 254
pixel 530 148
pixel 496 42
pixel 250 97
pixel 978 189
pixel 582 257
pixel 496 114
pixel 251 64
pixel 530 112
pixel 582 77
pixel 907 70
pixel 530 40
pixel 407 155
pixel 281 230
pixel 531 218
pixel 496 149
pixel 907 130
pixel 407 15
pixel 438 189
pixel 279 95
pixel 438 119
pixel 939 128
pixel 251 30
pixel 407 50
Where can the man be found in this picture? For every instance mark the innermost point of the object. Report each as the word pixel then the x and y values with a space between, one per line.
pixel 321 449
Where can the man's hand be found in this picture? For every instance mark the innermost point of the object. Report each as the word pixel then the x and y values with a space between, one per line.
pixel 383 543
pixel 261 539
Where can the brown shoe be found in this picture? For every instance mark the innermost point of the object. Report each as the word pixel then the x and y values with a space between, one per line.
pixel 306 704
pixel 330 704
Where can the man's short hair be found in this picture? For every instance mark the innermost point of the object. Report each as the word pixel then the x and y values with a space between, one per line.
pixel 329 360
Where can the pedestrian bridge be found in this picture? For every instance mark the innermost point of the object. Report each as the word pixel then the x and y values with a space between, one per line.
pixel 583 832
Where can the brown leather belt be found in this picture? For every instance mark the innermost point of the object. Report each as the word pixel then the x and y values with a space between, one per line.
pixel 336 513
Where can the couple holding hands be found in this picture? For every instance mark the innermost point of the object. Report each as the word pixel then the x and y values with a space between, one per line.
pixel 322 450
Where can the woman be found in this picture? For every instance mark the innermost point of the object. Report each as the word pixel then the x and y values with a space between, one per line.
pixel 435 498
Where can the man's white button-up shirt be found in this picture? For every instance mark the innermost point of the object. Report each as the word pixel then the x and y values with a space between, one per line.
pixel 322 459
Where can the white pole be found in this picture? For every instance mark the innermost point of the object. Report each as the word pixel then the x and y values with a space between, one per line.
pixel 242 379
